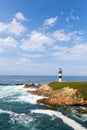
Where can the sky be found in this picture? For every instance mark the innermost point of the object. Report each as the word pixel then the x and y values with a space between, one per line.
pixel 37 37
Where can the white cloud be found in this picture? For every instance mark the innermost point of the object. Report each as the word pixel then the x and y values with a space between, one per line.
pixel 36 41
pixel 3 27
pixel 20 16
pixel 14 27
pixel 71 17
pixel 61 35
pixel 50 21
pixel 39 41
pixel 8 42
pixel 77 52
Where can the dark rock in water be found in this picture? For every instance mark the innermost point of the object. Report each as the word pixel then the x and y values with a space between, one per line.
pixel 19 84
pixel 82 111
pixel 32 92
pixel 29 85
pixel 38 85
pixel 32 85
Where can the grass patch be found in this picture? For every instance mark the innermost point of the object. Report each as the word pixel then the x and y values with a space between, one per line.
pixel 81 86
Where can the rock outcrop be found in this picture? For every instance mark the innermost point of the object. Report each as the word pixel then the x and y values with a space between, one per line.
pixel 83 111
pixel 31 85
pixel 62 97
pixel 43 90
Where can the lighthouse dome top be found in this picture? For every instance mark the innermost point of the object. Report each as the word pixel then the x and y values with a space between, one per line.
pixel 60 71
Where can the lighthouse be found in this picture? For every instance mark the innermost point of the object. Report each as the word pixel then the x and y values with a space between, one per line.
pixel 60 74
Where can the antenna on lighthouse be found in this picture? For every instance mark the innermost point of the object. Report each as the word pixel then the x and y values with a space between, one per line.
pixel 60 74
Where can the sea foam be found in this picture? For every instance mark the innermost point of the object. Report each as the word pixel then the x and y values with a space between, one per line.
pixel 22 118
pixel 17 93
pixel 77 115
pixel 70 122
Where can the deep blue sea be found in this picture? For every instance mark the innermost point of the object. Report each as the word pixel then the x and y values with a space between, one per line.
pixel 20 111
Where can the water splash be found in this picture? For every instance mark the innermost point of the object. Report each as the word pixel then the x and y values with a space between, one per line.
pixel 18 94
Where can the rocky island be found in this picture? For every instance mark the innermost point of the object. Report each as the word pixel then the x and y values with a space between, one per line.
pixel 61 93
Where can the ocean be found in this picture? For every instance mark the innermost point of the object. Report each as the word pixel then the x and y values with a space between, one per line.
pixel 20 111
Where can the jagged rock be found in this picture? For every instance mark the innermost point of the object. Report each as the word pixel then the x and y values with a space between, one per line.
pixel 29 85
pixel 38 85
pixel 82 111
pixel 60 101
pixel 44 90
pixel 32 85
pixel 62 97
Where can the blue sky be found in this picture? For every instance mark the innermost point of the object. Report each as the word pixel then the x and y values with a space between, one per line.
pixel 37 37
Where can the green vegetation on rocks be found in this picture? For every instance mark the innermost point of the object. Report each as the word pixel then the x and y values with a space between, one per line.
pixel 80 86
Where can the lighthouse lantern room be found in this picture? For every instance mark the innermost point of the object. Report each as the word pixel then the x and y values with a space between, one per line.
pixel 60 74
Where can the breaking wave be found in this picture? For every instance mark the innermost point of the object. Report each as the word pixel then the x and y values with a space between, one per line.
pixel 70 122
pixel 18 94
pixel 22 118
pixel 82 117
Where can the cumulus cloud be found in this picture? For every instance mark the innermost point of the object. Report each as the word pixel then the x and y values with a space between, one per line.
pixel 36 41
pixel 8 42
pixel 61 35
pixel 13 27
pixel 20 16
pixel 50 22
pixel 77 52
pixel 3 27
pixel 39 41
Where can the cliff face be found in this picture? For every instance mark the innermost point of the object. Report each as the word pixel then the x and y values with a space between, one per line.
pixel 62 97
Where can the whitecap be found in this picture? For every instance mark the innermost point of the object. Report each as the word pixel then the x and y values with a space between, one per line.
pixel 70 122
pixel 77 115
pixel 28 98
pixel 18 94
pixel 80 117
pixel 22 118
pixel 31 89
pixel 6 91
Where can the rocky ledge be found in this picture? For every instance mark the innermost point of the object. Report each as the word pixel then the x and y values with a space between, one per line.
pixel 82 111
pixel 64 97
pixel 32 85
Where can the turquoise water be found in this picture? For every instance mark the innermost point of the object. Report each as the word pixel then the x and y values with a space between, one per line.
pixel 19 110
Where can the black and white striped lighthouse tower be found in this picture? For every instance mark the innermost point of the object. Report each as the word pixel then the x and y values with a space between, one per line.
pixel 60 74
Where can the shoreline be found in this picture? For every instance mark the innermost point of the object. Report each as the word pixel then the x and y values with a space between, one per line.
pixel 63 97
